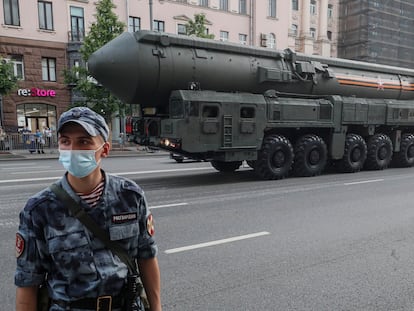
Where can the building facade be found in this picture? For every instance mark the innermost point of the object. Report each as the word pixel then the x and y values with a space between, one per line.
pixel 377 31
pixel 43 37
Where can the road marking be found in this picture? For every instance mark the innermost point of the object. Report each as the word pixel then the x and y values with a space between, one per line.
pixel 28 179
pixel 46 171
pixel 123 174
pixel 217 242
pixel 168 205
pixel 165 171
pixel 362 182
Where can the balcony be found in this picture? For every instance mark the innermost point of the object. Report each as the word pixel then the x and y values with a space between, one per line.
pixel 76 36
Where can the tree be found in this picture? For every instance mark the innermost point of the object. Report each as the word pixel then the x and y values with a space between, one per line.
pixel 8 81
pixel 106 28
pixel 197 27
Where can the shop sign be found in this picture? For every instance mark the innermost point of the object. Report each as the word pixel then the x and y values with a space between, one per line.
pixel 35 92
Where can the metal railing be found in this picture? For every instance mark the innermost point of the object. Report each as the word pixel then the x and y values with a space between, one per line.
pixel 27 141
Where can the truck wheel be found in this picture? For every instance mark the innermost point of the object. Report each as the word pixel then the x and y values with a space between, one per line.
pixel 405 158
pixel 379 152
pixel 310 156
pixel 226 166
pixel 275 158
pixel 355 154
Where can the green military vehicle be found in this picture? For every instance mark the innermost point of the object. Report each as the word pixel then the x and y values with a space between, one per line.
pixel 281 112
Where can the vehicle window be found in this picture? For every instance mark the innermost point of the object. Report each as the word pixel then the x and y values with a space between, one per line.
pixel 210 112
pixel 247 112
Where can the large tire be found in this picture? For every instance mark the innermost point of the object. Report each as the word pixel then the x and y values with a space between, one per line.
pixel 355 154
pixel 275 159
pixel 405 158
pixel 379 152
pixel 226 167
pixel 310 156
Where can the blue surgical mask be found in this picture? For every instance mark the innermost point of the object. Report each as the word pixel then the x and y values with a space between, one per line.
pixel 79 163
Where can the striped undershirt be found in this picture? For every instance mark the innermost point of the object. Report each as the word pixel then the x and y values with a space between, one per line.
pixel 93 197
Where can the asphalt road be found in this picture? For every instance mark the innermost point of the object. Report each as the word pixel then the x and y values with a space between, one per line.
pixel 232 242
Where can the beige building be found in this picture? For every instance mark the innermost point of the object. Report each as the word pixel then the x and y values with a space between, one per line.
pixel 43 37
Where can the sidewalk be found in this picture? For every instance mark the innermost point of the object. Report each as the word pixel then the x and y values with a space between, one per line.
pixel 54 154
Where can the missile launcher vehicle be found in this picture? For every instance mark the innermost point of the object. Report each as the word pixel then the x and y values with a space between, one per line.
pixel 282 112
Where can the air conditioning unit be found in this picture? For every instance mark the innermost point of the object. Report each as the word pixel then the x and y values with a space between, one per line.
pixel 263 39
pixel 6 60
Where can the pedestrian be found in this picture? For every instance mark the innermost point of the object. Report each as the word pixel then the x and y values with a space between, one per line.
pixel 47 132
pixel 2 138
pixel 82 272
pixel 40 141
pixel 121 141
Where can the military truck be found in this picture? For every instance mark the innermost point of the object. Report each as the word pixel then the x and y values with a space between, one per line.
pixel 282 112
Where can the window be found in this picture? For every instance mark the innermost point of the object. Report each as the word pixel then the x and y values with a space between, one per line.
pixel 11 12
pixel 134 24
pixel 158 26
pixel 313 7
pixel 330 11
pixel 210 111
pixel 224 5
pixel 48 69
pixel 242 38
pixel 295 5
pixel 312 32
pixel 224 36
pixel 271 41
pixel 242 7
pixel 181 29
pixel 18 67
pixel 77 24
pixel 294 30
pixel 272 8
pixel 247 112
pixel 45 15
pixel 203 3
pixel 329 34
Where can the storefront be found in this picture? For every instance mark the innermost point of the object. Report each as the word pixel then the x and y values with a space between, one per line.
pixel 41 95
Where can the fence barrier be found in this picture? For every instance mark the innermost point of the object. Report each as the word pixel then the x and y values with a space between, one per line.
pixel 27 141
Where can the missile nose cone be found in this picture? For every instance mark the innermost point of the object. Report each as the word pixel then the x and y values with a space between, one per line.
pixel 114 65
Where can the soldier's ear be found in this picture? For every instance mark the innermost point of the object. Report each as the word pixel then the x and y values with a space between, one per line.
pixel 105 149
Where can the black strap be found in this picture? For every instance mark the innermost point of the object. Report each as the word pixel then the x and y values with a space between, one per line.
pixel 78 212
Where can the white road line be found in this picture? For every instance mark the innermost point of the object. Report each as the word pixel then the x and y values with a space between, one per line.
pixel 168 205
pixel 28 179
pixel 123 174
pixel 217 242
pixel 28 172
pixel 362 182
pixel 165 171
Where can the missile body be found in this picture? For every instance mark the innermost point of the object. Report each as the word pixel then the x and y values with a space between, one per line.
pixel 145 67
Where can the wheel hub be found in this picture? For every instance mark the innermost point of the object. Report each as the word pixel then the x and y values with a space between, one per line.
pixel 279 159
pixel 382 153
pixel 314 157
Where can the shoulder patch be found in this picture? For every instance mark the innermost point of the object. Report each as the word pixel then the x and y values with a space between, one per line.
pixel 150 225
pixel 20 244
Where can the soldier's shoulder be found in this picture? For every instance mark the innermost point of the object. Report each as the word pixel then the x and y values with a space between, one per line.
pixel 126 183
pixel 39 199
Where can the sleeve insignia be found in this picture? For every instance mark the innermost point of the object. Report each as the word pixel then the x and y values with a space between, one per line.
pixel 150 225
pixel 20 243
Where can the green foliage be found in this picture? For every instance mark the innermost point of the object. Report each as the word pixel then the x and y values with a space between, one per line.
pixel 197 27
pixel 8 81
pixel 92 94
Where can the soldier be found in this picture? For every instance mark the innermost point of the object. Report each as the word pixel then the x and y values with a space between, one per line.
pixel 52 243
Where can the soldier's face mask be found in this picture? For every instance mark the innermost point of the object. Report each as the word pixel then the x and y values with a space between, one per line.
pixel 79 163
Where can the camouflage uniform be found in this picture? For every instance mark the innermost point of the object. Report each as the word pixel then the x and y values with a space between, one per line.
pixel 77 263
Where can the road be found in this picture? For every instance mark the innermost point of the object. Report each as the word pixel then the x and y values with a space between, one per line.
pixel 232 242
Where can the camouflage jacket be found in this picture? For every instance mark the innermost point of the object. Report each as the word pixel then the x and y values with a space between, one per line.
pixel 78 265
